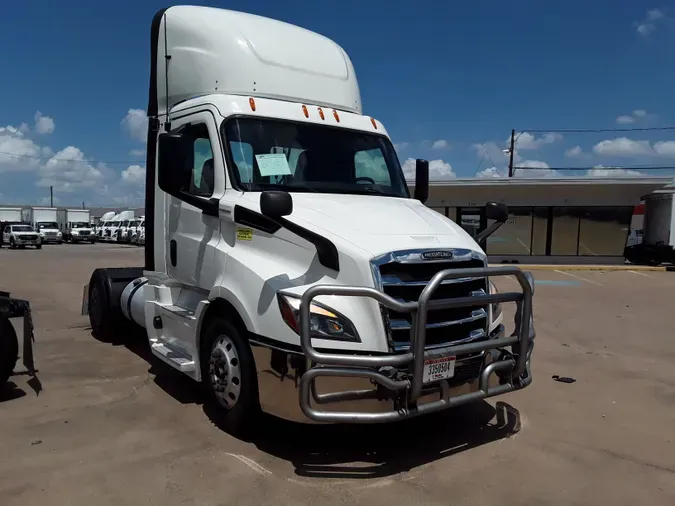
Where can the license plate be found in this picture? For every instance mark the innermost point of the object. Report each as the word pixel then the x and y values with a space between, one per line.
pixel 437 369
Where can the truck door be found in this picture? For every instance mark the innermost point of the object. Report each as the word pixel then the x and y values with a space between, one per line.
pixel 192 237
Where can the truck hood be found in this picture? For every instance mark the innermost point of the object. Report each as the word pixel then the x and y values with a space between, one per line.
pixel 376 224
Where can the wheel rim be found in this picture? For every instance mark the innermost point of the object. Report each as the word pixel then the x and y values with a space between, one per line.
pixel 224 371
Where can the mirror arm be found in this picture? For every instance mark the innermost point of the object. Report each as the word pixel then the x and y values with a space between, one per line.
pixel 488 231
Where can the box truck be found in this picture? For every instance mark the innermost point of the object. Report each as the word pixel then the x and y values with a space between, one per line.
pixel 288 267
pixel 657 244
pixel 74 225
pixel 44 221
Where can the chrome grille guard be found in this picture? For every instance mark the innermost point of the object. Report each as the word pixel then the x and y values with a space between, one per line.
pixel 514 365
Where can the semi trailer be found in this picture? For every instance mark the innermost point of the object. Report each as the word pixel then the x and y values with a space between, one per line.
pixel 288 266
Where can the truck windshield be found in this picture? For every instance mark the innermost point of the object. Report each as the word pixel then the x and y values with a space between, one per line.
pixel 47 224
pixel 79 224
pixel 21 228
pixel 304 157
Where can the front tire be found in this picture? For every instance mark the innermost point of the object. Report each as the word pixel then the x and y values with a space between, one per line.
pixel 38 246
pixel 9 350
pixel 230 378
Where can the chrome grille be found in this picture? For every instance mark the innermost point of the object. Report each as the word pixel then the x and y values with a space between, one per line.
pixel 403 276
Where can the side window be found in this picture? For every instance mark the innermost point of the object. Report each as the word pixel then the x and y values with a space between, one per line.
pixel 372 165
pixel 200 159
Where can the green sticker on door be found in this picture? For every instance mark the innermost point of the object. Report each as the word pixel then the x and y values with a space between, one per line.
pixel 244 234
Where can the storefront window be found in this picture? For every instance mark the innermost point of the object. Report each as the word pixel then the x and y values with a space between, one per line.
pixel 603 230
pixel 539 230
pixel 565 232
pixel 515 236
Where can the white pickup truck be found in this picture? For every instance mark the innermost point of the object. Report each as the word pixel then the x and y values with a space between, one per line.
pixel 20 236
pixel 288 267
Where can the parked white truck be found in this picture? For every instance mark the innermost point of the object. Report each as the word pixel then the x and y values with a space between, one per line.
pixel 657 245
pixel 104 224
pixel 287 267
pixel 8 216
pixel 44 221
pixel 74 225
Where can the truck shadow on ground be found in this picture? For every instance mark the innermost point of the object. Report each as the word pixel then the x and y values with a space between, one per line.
pixel 356 451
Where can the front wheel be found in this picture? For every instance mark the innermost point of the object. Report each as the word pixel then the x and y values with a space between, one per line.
pixel 12 244
pixel 230 378
pixel 38 246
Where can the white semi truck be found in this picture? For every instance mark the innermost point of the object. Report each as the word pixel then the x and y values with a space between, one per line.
pixel 288 268
pixel 44 221
pixel 74 225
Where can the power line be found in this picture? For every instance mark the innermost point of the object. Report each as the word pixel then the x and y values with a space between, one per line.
pixel 596 130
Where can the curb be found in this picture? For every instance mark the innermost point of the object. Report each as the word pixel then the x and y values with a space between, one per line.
pixel 552 267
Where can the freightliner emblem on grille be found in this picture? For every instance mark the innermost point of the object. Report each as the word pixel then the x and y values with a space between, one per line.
pixel 437 255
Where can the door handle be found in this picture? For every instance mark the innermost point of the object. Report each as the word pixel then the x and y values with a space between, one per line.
pixel 173 252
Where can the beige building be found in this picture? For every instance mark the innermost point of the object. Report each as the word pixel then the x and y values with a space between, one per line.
pixel 552 220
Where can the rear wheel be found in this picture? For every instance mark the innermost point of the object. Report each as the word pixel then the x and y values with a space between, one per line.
pixel 9 350
pixel 229 376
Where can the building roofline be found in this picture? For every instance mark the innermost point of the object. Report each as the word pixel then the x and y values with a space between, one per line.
pixel 550 181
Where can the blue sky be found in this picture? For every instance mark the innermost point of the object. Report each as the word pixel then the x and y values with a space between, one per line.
pixel 448 79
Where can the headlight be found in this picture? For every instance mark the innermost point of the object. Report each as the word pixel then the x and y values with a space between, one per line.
pixel 324 323
pixel 58 233
pixel 496 308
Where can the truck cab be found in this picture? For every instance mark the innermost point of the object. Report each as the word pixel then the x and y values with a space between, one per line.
pixel 288 265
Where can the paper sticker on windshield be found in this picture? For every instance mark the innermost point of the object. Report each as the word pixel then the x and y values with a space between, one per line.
pixel 274 164
pixel 244 234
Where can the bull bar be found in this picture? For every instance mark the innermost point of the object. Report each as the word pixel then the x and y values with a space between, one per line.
pixel 514 364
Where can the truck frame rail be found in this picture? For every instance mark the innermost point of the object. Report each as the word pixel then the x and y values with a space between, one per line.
pixel 513 367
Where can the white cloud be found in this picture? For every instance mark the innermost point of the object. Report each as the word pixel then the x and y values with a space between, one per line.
pixel 665 148
pixel 623 146
pixel 645 28
pixel 440 144
pixel 527 141
pixel 136 124
pixel 137 152
pixel 134 174
pixel 574 152
pixel 535 169
pixel 69 171
pixel 603 171
pixel 493 153
pixel 18 152
pixel 655 14
pixel 400 146
pixel 639 113
pixel 43 124
pixel 649 24
pixel 625 120
pixel 491 172
pixel 438 170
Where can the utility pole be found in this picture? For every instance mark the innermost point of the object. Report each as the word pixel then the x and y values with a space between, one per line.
pixel 511 150
pixel 51 196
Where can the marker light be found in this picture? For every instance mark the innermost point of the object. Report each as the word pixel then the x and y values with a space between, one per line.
pixel 251 102
pixel 321 113
pixel 374 123
pixel 335 115
pixel 304 110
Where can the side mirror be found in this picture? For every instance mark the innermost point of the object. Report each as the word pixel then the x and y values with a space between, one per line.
pixel 172 163
pixel 496 211
pixel 421 180
pixel 276 204
pixel 493 211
